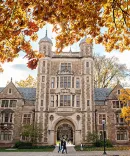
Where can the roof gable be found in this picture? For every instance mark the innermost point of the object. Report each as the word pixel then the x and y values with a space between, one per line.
pixel 14 94
pixel 113 94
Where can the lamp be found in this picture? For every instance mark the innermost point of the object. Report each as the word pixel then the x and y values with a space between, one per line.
pixel 104 139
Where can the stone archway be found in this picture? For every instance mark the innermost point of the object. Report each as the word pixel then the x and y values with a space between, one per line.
pixel 65 129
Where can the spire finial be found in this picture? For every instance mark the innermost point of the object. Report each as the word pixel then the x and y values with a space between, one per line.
pixel 46 31
pixel 11 79
pixel 70 49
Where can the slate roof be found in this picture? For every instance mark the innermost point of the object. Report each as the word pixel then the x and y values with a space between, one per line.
pixel 1 88
pixel 46 39
pixel 100 94
pixel 27 93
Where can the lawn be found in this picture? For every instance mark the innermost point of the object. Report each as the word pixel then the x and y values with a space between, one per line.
pixel 116 148
pixel 47 149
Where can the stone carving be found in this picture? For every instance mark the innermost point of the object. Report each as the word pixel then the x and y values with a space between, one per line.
pixel 78 117
pixel 65 90
pixel 51 118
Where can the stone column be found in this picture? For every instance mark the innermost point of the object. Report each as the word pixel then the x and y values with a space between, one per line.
pixel 78 137
pixel 51 137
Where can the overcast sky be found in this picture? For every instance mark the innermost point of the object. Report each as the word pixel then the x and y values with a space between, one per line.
pixel 18 69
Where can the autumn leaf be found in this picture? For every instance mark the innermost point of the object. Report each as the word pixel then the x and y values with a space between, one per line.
pixel 32 64
pixel 1 69
pixel 28 82
pixel 89 40
pixel 71 20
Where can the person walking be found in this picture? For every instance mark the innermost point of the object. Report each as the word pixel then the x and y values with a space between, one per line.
pixel 64 147
pixel 59 147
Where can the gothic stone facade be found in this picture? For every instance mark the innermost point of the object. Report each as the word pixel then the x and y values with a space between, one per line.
pixel 17 107
pixel 65 103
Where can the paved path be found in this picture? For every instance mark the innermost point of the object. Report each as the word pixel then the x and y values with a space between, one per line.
pixel 71 152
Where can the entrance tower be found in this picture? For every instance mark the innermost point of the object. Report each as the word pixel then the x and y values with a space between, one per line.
pixel 64 105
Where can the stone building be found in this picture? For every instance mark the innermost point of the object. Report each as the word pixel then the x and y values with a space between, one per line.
pixel 65 102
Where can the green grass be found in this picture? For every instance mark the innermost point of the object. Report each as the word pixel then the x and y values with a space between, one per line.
pixel 27 150
pixel 77 148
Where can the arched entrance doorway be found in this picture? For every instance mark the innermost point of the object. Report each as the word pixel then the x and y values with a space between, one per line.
pixel 65 130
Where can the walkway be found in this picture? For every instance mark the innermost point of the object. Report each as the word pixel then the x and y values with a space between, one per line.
pixel 70 150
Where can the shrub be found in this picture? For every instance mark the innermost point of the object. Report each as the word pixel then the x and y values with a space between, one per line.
pixel 28 145
pixel 100 143
pixel 92 137
pixel 36 147
pixel 109 143
pixel 20 144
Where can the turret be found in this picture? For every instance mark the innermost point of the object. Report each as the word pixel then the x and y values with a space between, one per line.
pixel 85 48
pixel 45 46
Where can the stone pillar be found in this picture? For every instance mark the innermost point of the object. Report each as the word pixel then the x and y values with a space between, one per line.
pixel 78 137
pixel 51 137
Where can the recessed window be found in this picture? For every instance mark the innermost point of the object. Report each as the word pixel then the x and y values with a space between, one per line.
pixel 65 67
pixel 25 138
pixel 65 82
pixel 43 78
pixel 7 117
pixel 10 90
pixel 72 82
pixel 5 135
pixel 52 82
pixel 117 104
pixel 26 119
pixel 77 83
pixel 73 97
pixel 5 103
pixel 122 135
pixel 52 100
pixel 57 82
pixel 64 100
pixel 57 100
pixel 8 103
pixel 102 117
pixel 41 102
pixel 119 120
pixel 77 100
pixel 88 102
pixel 13 103
pixel 118 91
pixel 101 135
pixel 87 64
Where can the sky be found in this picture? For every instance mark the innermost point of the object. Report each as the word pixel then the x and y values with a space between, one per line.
pixel 18 70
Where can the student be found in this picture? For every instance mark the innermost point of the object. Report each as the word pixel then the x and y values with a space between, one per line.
pixel 59 147
pixel 64 147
